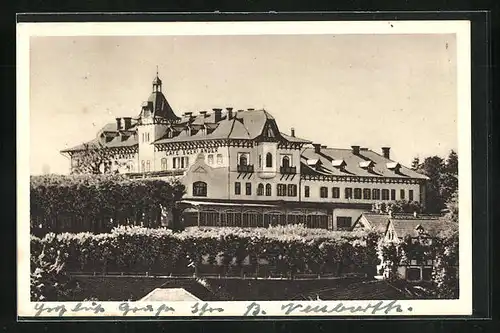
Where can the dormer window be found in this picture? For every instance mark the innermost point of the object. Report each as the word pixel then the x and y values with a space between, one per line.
pixel 313 162
pixel 368 165
pixel 339 164
pixel 394 166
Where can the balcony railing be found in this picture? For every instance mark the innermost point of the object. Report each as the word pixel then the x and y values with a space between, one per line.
pixel 245 168
pixel 288 170
pixel 156 174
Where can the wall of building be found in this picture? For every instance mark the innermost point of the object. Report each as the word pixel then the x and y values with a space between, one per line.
pixel 314 190
pixel 353 213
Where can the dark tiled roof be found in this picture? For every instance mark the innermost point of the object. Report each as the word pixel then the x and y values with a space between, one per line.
pixel 352 167
pixel 408 227
pixel 245 125
pixel 127 138
pixel 378 222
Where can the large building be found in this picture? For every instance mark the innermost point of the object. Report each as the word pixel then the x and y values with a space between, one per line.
pixel 239 169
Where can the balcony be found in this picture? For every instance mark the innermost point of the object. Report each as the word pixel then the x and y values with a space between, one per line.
pixel 245 168
pixel 288 170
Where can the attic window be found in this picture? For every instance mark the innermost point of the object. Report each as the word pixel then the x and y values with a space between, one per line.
pixel 366 164
pixel 313 162
pixel 340 164
pixel 394 166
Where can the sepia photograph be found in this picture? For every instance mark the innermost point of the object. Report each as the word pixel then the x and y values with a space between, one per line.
pixel 244 168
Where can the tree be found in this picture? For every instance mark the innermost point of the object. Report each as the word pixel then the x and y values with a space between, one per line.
pixel 452 208
pixel 443 180
pixel 93 159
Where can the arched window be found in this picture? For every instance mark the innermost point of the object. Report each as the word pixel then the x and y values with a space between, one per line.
pixel 164 163
pixel 269 160
pixel 199 189
pixel 260 189
pixel 143 167
pixel 243 160
pixel 268 190
pixel 285 162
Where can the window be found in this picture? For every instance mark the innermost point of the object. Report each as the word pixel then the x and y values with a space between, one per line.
pixel 210 159
pixel 219 159
pixel 174 163
pixel 357 193
pixel 336 192
pixel 187 161
pixel 376 194
pixel 243 160
pixel 306 191
pixel 260 189
pixel 344 222
pixel 385 194
pixel 292 190
pixel 269 160
pixel 348 193
pixel 237 188
pixel 248 188
pixel 393 194
pixel 147 137
pixel 148 166
pixel 182 162
pixel 164 163
pixel 323 192
pixel 281 190
pixel 199 189
pixel 367 194
pixel 410 195
pixel 402 194
pixel 260 161
pixel 285 162
pixel 268 190
pixel 143 166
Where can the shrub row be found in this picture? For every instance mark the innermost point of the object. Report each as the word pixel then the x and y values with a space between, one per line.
pixel 97 203
pixel 289 249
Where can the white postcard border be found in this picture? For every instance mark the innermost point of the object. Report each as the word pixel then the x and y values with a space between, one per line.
pixel 462 306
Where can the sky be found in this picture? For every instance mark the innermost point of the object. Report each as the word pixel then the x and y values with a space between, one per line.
pixel 338 90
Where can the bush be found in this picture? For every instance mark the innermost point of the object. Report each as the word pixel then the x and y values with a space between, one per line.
pixel 97 203
pixel 443 251
pixel 291 250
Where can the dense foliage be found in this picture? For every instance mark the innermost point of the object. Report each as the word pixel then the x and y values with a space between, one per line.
pixel 290 250
pixel 97 203
pixel 443 180
pixel 49 279
pixel 442 251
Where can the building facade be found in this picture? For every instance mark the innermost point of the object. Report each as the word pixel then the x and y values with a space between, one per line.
pixel 239 169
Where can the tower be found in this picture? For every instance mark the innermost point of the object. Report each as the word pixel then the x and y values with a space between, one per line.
pixel 156 114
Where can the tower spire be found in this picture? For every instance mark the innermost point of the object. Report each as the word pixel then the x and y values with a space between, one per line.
pixel 156 82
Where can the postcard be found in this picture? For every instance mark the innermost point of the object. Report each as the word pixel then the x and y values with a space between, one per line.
pixel 235 169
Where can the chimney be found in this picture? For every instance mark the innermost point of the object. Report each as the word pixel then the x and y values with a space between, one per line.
pixel 292 132
pixel 217 114
pixel 118 123
pixel 127 122
pixel 386 151
pixel 251 109
pixel 229 113
pixel 203 115
pixel 188 115
pixel 317 147
pixel 355 150
pixel 323 146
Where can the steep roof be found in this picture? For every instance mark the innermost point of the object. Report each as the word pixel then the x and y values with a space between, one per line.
pixel 245 125
pixel 408 227
pixel 354 163
pixel 378 222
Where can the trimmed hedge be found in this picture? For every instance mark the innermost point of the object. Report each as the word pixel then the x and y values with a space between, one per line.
pixel 289 250
pixel 97 203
